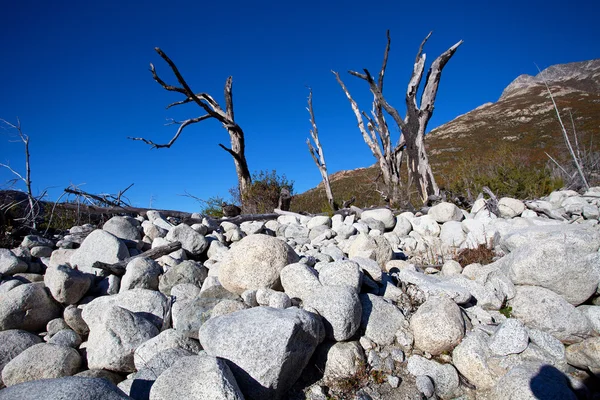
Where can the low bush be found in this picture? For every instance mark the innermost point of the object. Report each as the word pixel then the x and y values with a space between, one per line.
pixel 263 195
pixel 507 172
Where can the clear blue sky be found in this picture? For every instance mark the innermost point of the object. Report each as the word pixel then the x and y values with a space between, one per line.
pixel 76 74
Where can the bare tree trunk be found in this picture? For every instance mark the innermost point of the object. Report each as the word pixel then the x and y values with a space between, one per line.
pixel 32 213
pixel 413 126
pixel 320 160
pixel 213 110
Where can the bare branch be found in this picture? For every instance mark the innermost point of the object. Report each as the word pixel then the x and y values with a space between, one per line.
pixel 565 135
pixel 174 139
pixel 361 124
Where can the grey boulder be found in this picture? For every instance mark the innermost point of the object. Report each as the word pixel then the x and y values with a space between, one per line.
pixel 545 310
pixel 340 308
pixel 141 273
pixel 114 338
pixel 101 246
pixel 185 272
pixel 10 264
pixel 255 262
pixel 380 319
pixel 41 361
pixel 437 325
pixel 28 307
pixel 12 343
pixel 66 284
pixel 196 377
pixel 71 387
pixel 191 241
pixel 266 348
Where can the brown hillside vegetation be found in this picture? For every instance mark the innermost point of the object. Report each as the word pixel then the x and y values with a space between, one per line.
pixel 501 144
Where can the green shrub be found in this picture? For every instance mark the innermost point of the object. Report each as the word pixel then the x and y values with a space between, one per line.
pixel 213 207
pixel 263 195
pixel 507 172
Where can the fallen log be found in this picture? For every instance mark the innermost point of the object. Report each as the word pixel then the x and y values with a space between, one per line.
pixel 119 268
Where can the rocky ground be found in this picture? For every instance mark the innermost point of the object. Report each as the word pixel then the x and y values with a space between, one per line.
pixel 368 306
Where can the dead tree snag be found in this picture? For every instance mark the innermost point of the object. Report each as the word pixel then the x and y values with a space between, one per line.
pixel 213 110
pixel 412 126
pixel 317 154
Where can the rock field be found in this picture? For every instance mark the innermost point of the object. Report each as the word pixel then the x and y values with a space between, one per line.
pixel 370 305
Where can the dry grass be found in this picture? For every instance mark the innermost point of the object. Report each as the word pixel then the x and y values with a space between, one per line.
pixel 483 254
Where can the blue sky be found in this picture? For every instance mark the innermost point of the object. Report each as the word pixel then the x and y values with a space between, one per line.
pixel 76 74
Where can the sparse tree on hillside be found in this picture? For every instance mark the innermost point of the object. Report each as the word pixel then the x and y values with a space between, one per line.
pixel 213 110
pixel 317 154
pixel 412 126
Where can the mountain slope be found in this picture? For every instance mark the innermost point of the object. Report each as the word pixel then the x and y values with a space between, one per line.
pixel 523 121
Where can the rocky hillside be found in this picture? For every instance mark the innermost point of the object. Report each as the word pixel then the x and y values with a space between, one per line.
pixel 524 118
pixel 522 121
pixel 469 304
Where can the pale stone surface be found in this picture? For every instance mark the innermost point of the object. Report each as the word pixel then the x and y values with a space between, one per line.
pixel 168 339
pixel 425 226
pixel 299 280
pixel 510 338
pixel 380 319
pixel 70 387
pixel 510 208
pixel 101 246
pixel 444 376
pixel 444 212
pixel 67 285
pixel 191 241
pixel 545 310
pixel 470 358
pixel 12 343
pixel 386 216
pixel 114 338
pixel 141 273
pixel 123 227
pixel 10 264
pixel 340 308
pixel 181 380
pixel 255 262
pixel 39 305
pixel 344 272
pixel 530 381
pixel 556 266
pixel 266 348
pixel 41 361
pixel 437 326
pixel 585 355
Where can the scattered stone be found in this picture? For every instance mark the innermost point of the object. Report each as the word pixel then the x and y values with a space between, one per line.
pixel 114 338
pixel 101 246
pixel 186 272
pixel 533 381
pixel 299 280
pixel 340 308
pixel 41 361
pixel 343 272
pixel 256 261
pixel 444 212
pixel 444 376
pixel 66 284
pixel 438 325
pixel 70 387
pixel 266 348
pixel 181 381
pixel 191 241
pixel 126 228
pixel 585 355
pixel 28 307
pixel 545 310
pixel 10 264
pixel 380 319
pixel 510 338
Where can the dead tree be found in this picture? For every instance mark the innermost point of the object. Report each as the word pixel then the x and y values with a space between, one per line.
pixel 213 110
pixel 31 214
pixel 317 154
pixel 412 126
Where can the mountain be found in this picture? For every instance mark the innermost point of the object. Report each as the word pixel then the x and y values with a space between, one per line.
pixel 524 117
pixel 521 123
